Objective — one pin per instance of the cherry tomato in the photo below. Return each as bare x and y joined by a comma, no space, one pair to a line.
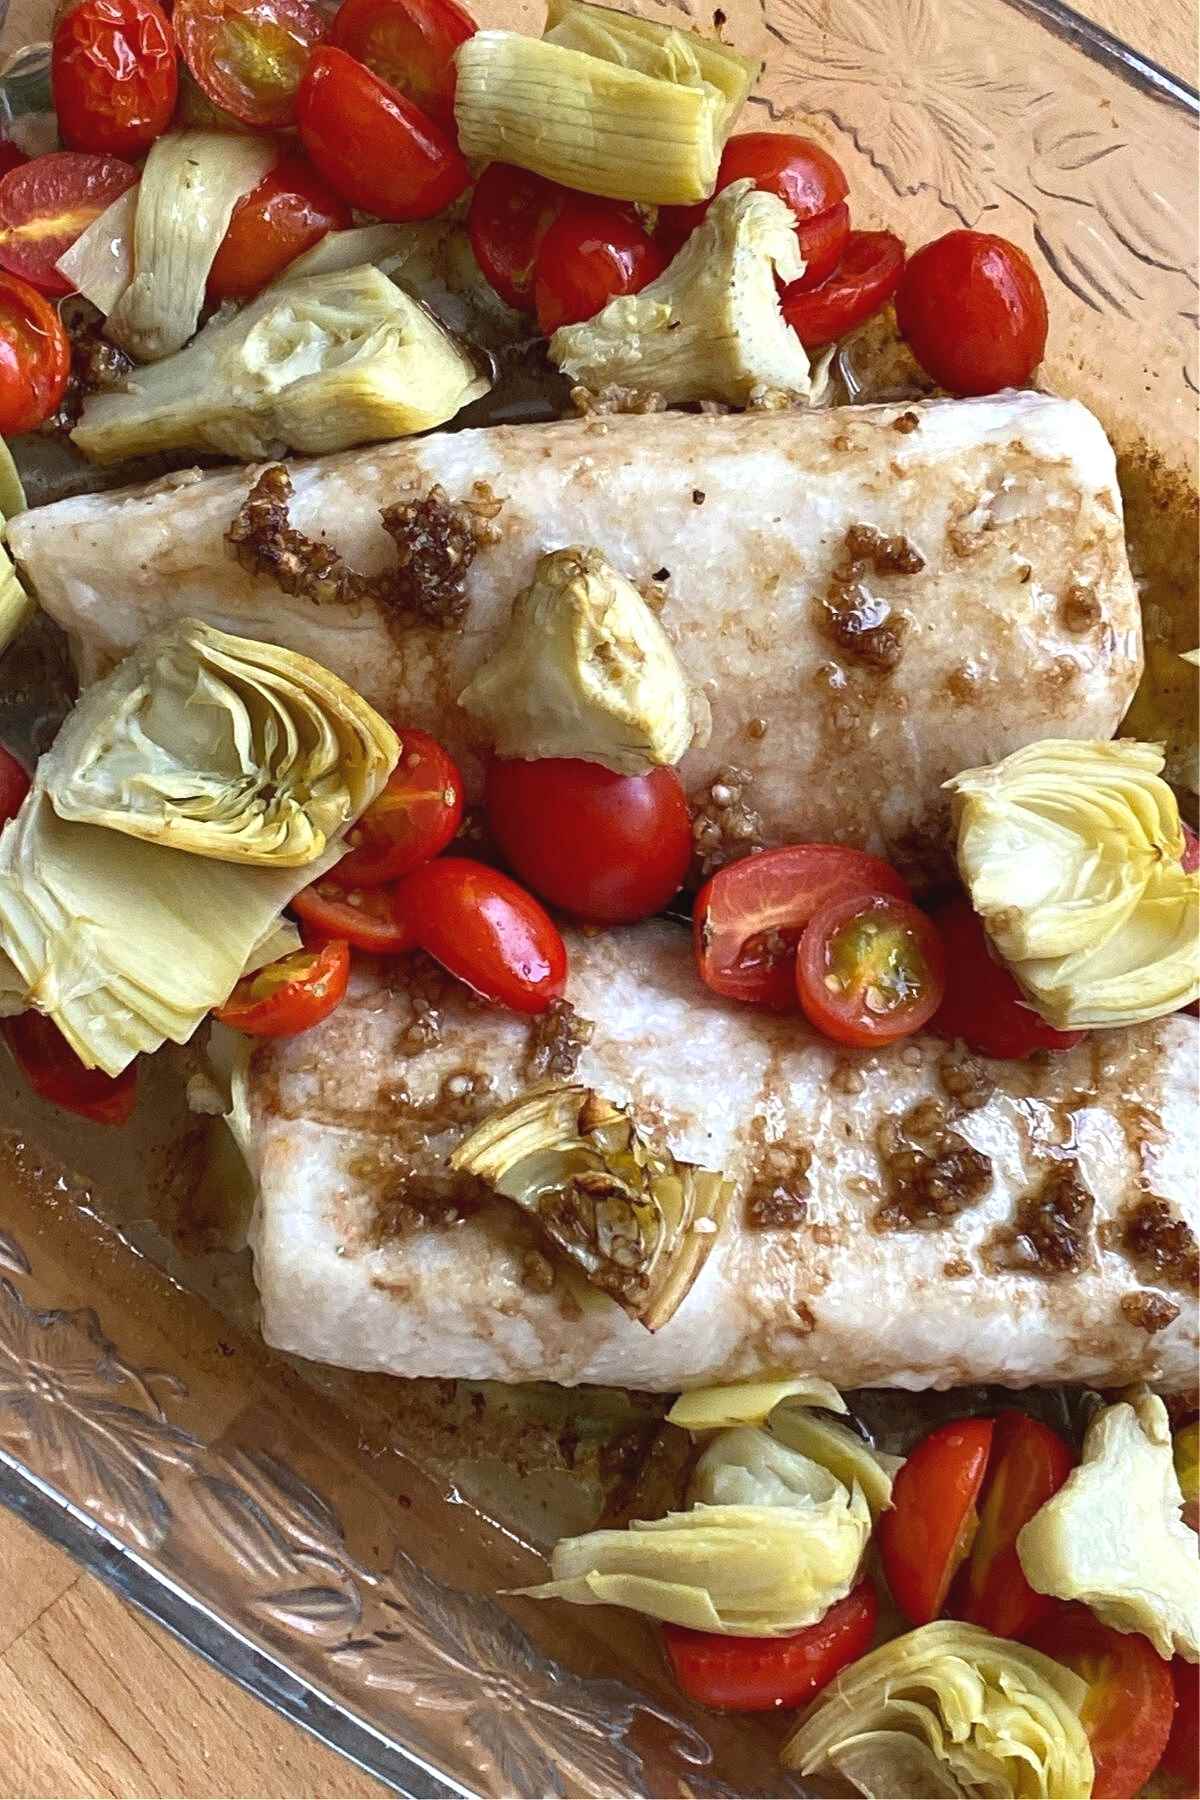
410,44
746,1674
748,918
1130,1701
608,848
415,817
982,1003
249,55
290,995
870,969
365,918
54,1072
864,280
14,782
10,156
594,250
46,204
973,312
1029,1463
486,930
1181,1758
795,168
822,245
290,210
927,1531
114,72
35,357
375,147
511,211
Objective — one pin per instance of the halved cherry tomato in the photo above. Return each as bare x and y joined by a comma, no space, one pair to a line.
795,168
822,245
486,930
928,1530
511,211
365,917
249,55
748,918
14,782
870,969
114,72
608,848
758,1674
35,357
410,44
594,250
290,210
377,149
982,1003
45,205
1181,1758
54,1072
415,817
1029,1463
291,995
973,311
1130,1700
864,280
10,156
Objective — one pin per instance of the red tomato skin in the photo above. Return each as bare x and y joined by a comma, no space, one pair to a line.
865,280
511,211
742,1674
799,170
294,1006
410,44
933,1498
10,156
594,251
843,1019
423,805
374,147
607,848
982,1003
35,357
289,211
1131,1700
55,1073
208,33
365,918
114,71
823,243
1181,1758
14,782
486,930
973,312
68,188
1028,1465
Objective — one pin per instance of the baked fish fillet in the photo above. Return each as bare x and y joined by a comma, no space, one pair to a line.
1023,620
349,1132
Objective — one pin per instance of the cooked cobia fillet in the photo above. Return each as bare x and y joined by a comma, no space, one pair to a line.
870,598
914,1217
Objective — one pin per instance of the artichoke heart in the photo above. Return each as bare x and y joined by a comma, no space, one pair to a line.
16,606
317,363
637,1222
750,1402
220,746
1071,853
750,1467
710,327
950,1709
839,1449
660,50
585,670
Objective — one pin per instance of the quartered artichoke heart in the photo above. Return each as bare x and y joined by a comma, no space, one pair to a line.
637,1222
220,746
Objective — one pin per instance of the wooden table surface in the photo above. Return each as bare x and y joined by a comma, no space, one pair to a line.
95,1699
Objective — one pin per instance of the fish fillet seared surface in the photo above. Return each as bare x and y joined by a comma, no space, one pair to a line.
357,1263
1021,621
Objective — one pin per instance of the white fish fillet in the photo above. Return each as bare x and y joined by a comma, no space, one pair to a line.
1012,501
338,1152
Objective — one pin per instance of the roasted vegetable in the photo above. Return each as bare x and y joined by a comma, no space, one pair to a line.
1114,1535
314,364
839,1449
638,1223
749,1467
949,1710
710,327
750,1402
16,606
660,50
585,670
99,264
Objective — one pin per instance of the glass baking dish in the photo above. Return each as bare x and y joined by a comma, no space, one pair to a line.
334,1542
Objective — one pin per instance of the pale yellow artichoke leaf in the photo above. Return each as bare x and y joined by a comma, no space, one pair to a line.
839,1449
750,1467
750,1402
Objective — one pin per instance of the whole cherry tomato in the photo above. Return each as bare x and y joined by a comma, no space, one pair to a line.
608,848
1181,1758
973,311
249,55
415,817
379,151
865,279
746,1674
1028,1465
410,44
114,72
797,169
869,969
486,930
54,1072
35,358
364,917
1130,1700
594,250
14,782
47,203
291,995
982,1003
928,1529
290,210
511,211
